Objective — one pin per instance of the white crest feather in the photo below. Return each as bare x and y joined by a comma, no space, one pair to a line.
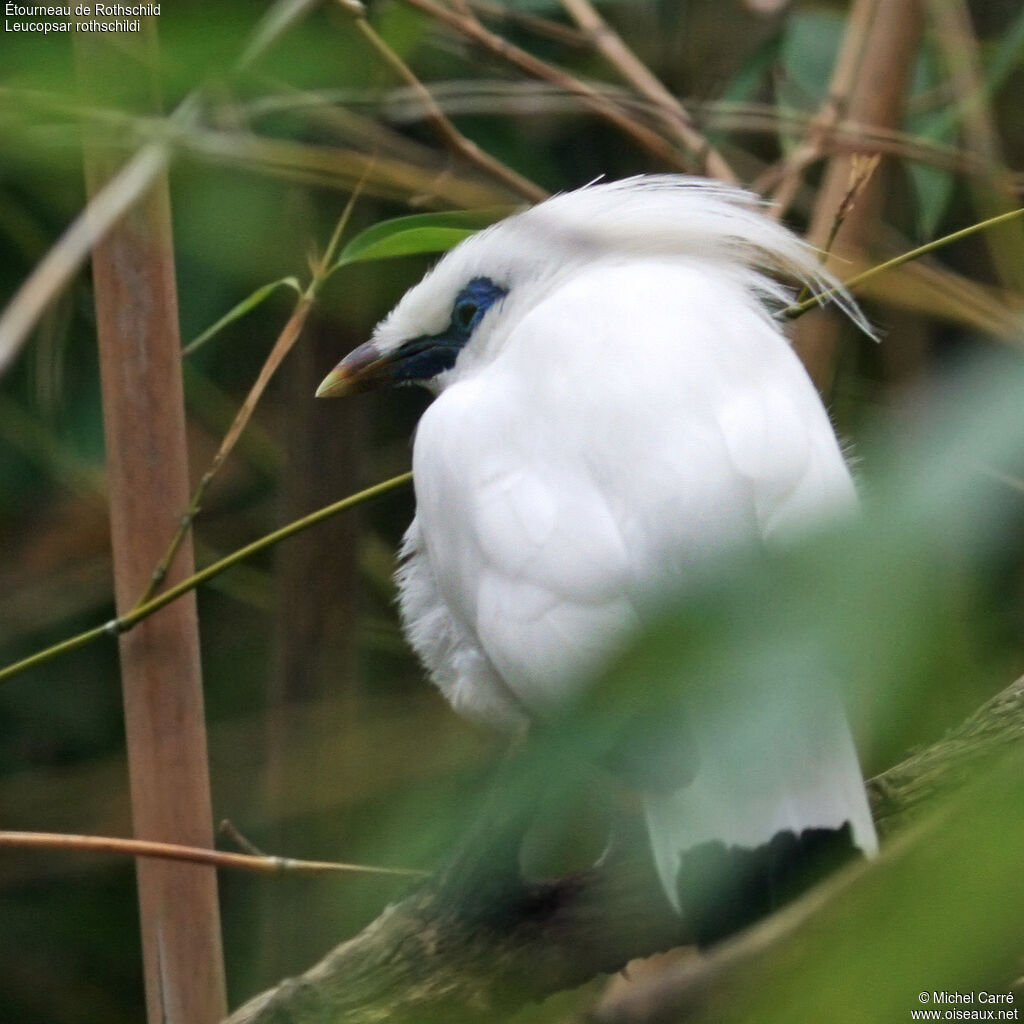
669,216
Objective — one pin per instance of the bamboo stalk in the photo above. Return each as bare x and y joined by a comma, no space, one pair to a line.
140,369
875,101
992,193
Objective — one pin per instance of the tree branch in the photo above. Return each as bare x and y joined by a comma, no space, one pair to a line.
901,793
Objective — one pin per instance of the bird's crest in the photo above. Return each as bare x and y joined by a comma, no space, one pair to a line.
677,216
670,217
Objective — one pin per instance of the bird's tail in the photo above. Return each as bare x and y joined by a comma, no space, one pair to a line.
770,810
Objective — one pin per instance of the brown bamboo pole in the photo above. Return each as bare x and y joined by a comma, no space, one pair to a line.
876,101
140,368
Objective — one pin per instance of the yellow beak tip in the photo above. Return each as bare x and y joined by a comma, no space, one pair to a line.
333,385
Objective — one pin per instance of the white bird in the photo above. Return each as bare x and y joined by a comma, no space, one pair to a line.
616,403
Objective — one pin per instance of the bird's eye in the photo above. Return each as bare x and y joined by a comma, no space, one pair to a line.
465,312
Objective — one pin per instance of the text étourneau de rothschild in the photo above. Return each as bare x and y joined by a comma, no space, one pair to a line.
76,17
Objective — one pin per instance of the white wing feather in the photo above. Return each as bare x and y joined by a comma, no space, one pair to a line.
586,494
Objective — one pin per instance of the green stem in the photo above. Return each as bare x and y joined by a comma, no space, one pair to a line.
115,627
799,308
286,339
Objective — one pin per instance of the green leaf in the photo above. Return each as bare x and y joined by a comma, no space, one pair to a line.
247,304
933,187
807,54
403,28
1007,56
750,77
420,233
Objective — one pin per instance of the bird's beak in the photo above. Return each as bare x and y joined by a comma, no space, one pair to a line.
363,369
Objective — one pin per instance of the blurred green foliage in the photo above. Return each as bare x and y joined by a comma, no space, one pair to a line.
917,607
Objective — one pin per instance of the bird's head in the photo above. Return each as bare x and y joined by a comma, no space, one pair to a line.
425,352
447,319
458,316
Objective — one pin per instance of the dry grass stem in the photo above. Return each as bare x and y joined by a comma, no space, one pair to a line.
55,271
261,864
862,167
591,97
543,28
634,71
449,134
52,274
783,179
951,21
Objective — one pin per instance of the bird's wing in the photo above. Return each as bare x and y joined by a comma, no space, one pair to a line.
526,555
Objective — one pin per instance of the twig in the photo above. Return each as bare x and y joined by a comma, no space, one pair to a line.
861,169
261,864
784,179
449,134
124,623
340,168
591,97
539,99
539,26
954,33
56,269
634,71
402,174
227,828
